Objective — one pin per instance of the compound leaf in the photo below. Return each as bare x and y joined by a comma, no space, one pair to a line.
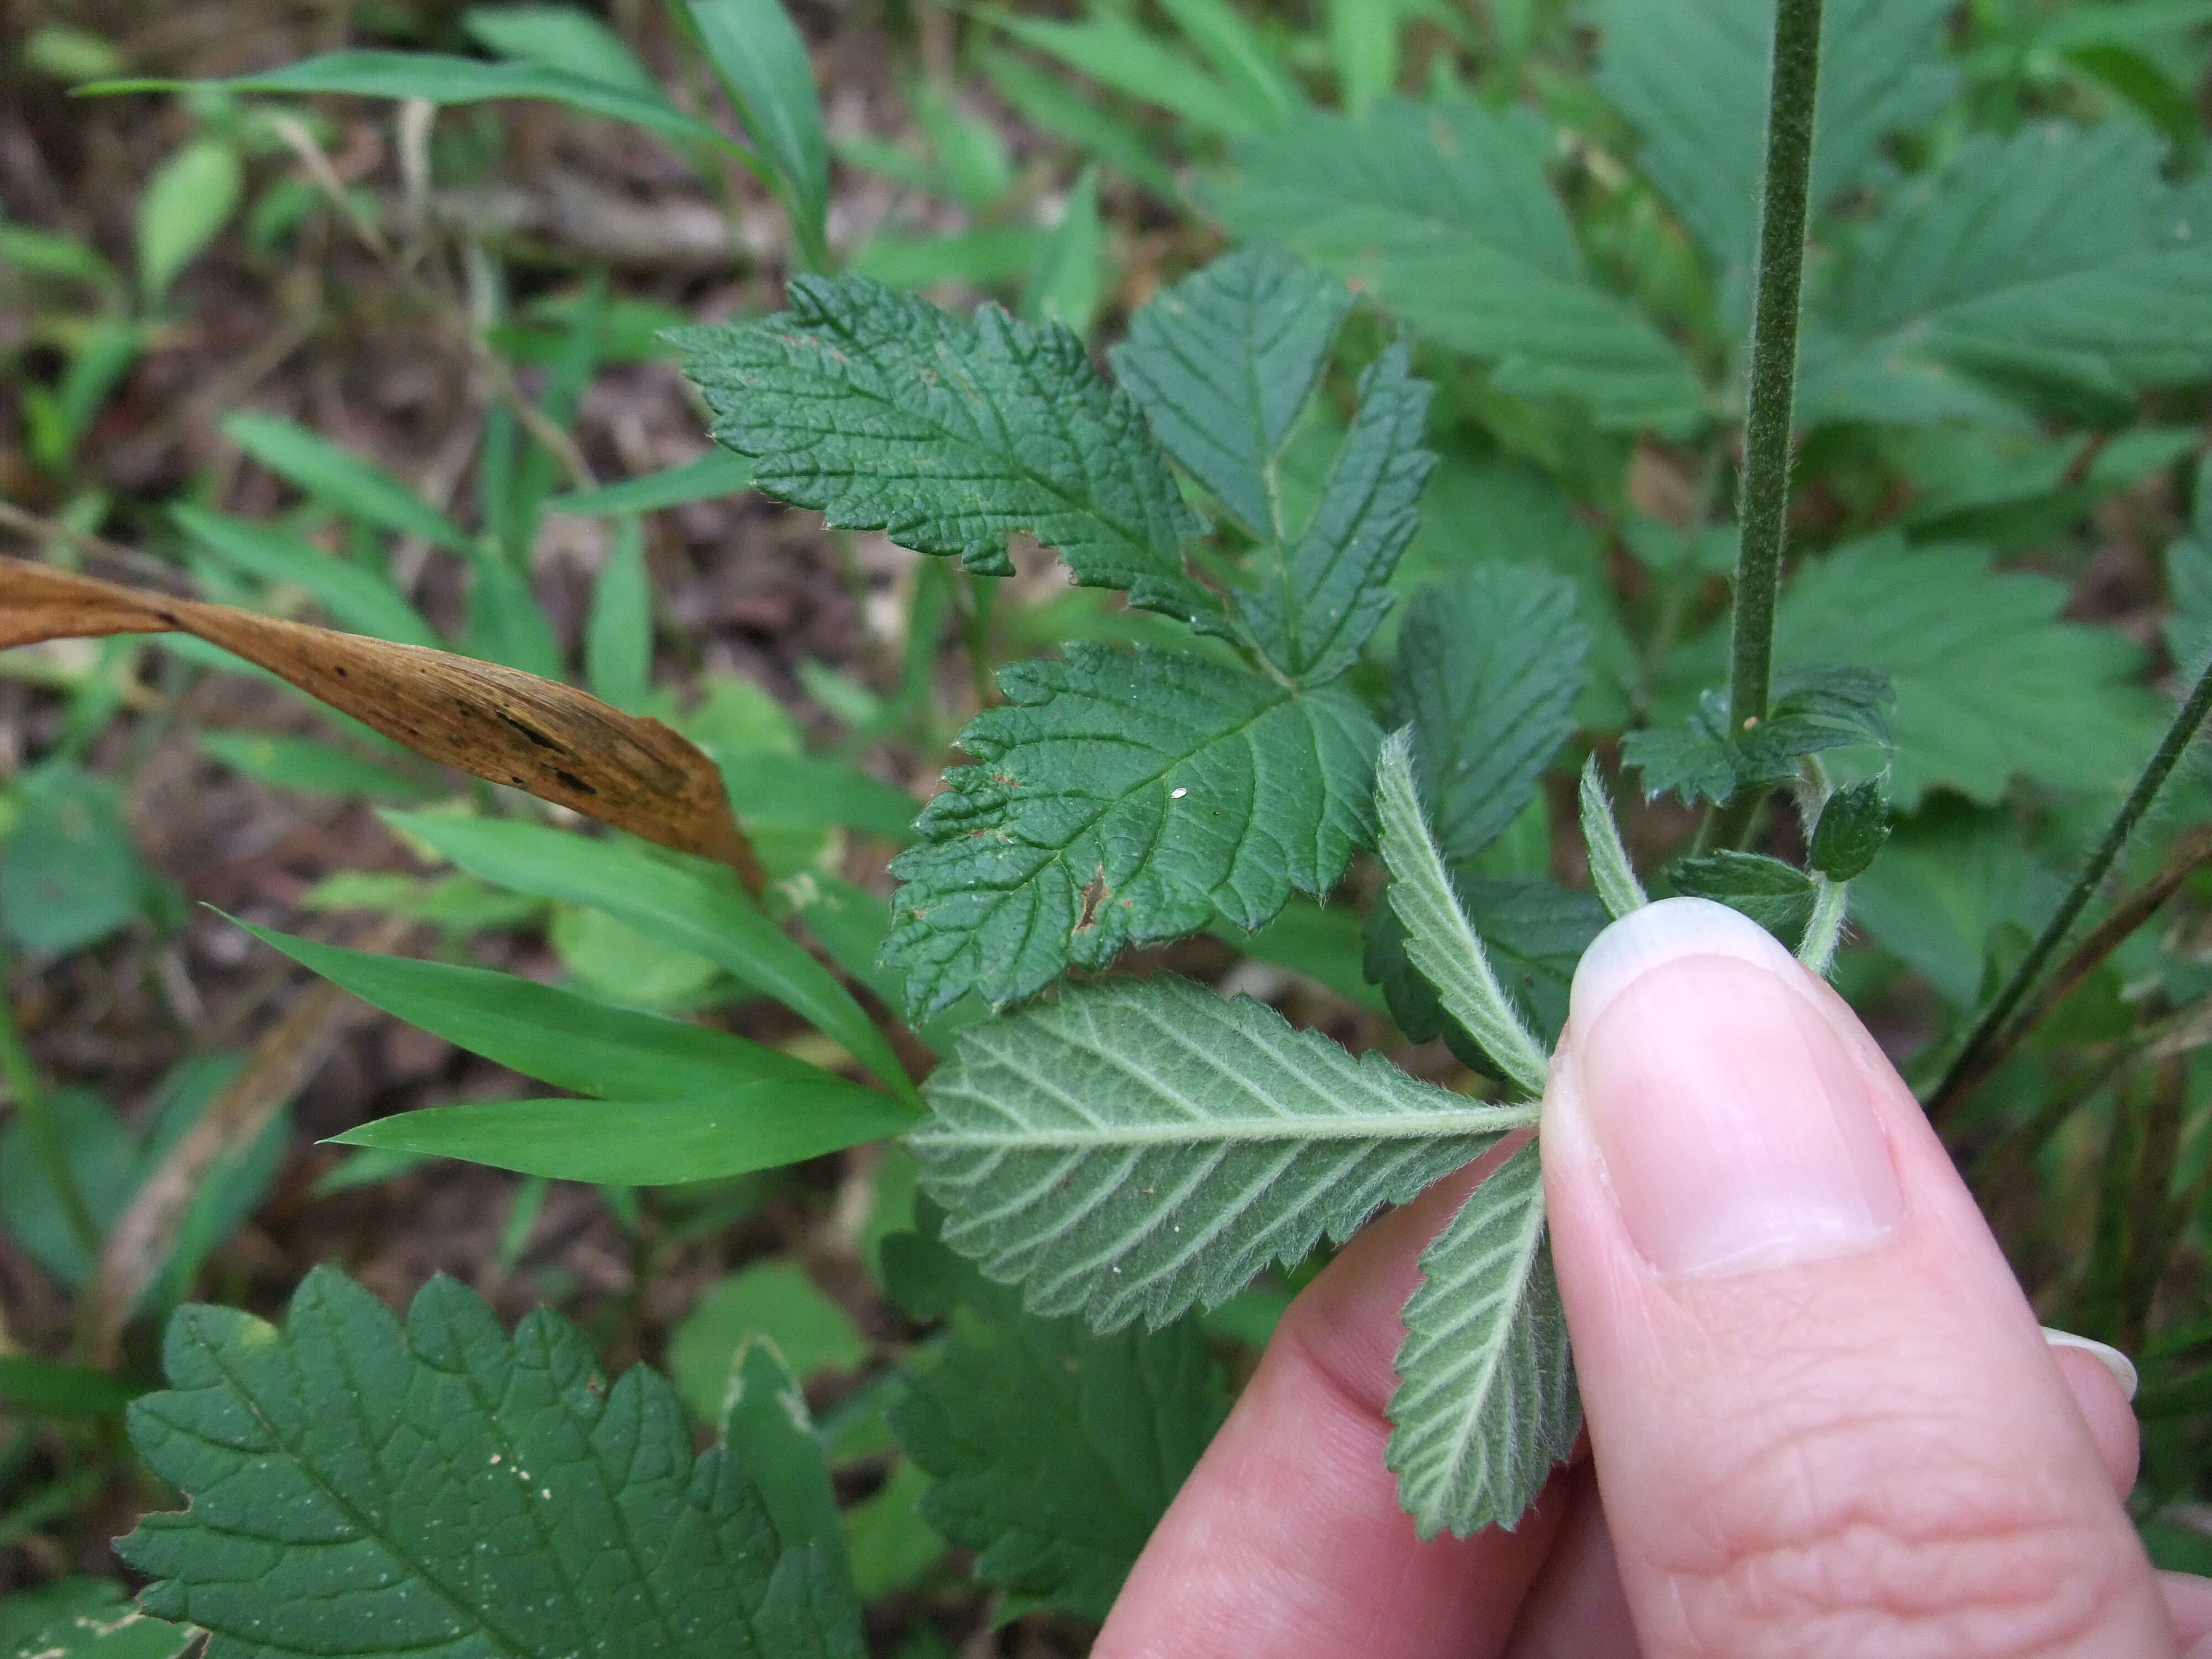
1489,667
1813,709
1989,681
1486,1401
1703,128
1222,363
887,414
1320,593
1055,1452
1121,797
2055,258
349,1475
1441,211
1133,1148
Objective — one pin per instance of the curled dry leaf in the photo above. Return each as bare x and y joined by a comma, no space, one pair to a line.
548,739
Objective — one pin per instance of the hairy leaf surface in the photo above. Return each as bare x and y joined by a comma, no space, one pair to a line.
1223,362
2056,258
948,435
1132,1149
1120,798
1486,1401
1322,593
1443,213
1055,1452
1813,710
362,1488
1489,667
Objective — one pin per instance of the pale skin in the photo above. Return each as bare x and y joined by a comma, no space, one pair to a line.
1822,1420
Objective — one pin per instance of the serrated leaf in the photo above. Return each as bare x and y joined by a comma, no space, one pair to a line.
81,1617
1990,683
1813,709
1055,1452
1854,823
1489,668
1691,76
2056,258
1440,941
1441,212
1318,596
887,414
1132,1149
345,1474
1486,1401
1778,896
1611,873
1120,798
1223,362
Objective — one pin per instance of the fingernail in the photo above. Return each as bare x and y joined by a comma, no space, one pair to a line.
1735,1130
2122,1368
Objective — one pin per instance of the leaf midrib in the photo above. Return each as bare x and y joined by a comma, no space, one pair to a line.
1372,1126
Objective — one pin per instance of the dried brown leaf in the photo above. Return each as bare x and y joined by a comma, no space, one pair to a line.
548,739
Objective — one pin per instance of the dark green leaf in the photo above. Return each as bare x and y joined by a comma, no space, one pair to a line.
1854,823
1813,710
770,1435
949,436
359,1467
1489,667
1055,1452
1443,213
1778,896
1121,797
85,1619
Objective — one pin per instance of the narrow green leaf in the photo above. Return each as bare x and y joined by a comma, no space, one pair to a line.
1326,591
1363,42
1055,1452
814,789
1441,212
311,768
187,203
308,1448
439,79
1131,1149
354,597
713,476
1223,362
1245,63
1611,873
685,901
1486,1402
1121,797
506,624
887,414
31,1387
745,1125
356,487
1114,52
770,1435
1068,282
1056,107
562,38
763,65
570,1041
977,258
1439,940
1490,667
618,632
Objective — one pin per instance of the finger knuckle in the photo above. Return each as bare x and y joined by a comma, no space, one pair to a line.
1809,1547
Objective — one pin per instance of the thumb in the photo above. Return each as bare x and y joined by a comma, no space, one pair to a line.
1825,1419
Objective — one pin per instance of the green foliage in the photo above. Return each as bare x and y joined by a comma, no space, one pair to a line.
1854,823
186,204
1812,711
1053,1452
770,1301
85,1619
762,65
1117,798
1778,896
327,1461
72,874
886,414
1132,1149
1485,1403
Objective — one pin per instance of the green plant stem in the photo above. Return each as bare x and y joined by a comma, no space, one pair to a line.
1974,1058
31,1105
1764,501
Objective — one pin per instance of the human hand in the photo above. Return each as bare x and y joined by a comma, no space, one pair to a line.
1822,1420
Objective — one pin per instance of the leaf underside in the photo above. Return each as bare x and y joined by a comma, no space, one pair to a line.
361,1488
1132,1149
1121,797
1486,1401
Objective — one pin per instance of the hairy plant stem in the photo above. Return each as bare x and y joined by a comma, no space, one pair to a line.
1764,499
1978,1054
31,1105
